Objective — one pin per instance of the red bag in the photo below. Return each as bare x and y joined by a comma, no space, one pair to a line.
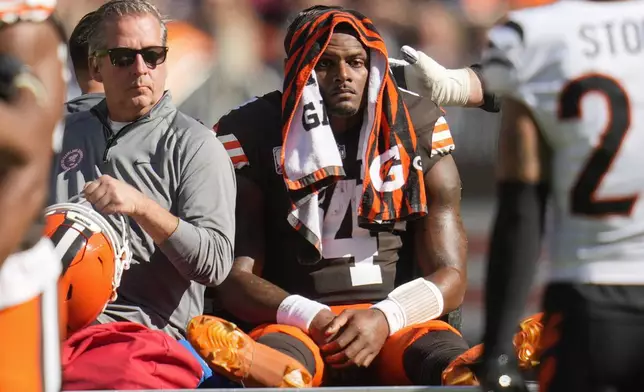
124,355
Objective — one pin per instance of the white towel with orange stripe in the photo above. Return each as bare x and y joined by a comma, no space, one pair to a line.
442,144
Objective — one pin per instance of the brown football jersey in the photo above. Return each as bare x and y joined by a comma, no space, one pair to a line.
357,265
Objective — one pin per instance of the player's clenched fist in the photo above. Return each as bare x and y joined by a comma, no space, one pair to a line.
110,196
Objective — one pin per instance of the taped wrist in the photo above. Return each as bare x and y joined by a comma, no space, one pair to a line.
298,311
414,302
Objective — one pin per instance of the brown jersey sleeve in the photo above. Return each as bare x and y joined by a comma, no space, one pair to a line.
245,132
432,131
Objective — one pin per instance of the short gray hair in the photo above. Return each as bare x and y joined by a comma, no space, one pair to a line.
117,8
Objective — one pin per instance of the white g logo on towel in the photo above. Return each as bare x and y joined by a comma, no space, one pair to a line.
394,179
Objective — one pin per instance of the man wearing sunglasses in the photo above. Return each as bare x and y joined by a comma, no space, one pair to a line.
135,154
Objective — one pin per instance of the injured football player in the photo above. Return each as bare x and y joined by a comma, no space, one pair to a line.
350,252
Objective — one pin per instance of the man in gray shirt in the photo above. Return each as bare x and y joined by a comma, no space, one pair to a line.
93,91
136,154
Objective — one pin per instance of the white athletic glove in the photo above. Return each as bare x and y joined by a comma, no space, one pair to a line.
424,76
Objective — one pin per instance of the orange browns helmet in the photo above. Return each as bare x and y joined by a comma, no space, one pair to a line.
93,256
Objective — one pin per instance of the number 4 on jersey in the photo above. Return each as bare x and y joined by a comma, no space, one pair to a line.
355,242
583,198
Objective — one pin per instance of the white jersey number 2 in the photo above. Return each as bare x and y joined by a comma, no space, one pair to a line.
583,199
360,244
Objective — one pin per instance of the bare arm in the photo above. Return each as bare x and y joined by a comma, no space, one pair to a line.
515,246
440,239
441,249
522,153
244,293
26,129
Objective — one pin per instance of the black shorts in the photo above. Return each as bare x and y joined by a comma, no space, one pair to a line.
593,338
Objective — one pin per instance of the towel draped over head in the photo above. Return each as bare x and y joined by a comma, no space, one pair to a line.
392,176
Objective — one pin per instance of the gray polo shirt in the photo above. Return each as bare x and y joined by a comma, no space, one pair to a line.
180,164
83,102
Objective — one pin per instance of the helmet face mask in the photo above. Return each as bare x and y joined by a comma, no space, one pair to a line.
94,255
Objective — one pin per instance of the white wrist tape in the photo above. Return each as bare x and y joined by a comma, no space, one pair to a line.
393,313
414,302
448,87
298,311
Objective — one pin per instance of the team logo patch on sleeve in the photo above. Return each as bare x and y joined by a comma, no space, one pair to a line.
235,150
442,141
71,159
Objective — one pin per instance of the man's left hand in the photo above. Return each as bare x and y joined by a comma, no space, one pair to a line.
111,196
356,337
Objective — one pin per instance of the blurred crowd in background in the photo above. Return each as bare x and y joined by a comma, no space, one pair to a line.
224,52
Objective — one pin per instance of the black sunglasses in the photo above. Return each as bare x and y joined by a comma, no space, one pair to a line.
124,57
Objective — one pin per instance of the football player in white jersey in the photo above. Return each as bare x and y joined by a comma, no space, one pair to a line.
573,120
32,92
572,133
